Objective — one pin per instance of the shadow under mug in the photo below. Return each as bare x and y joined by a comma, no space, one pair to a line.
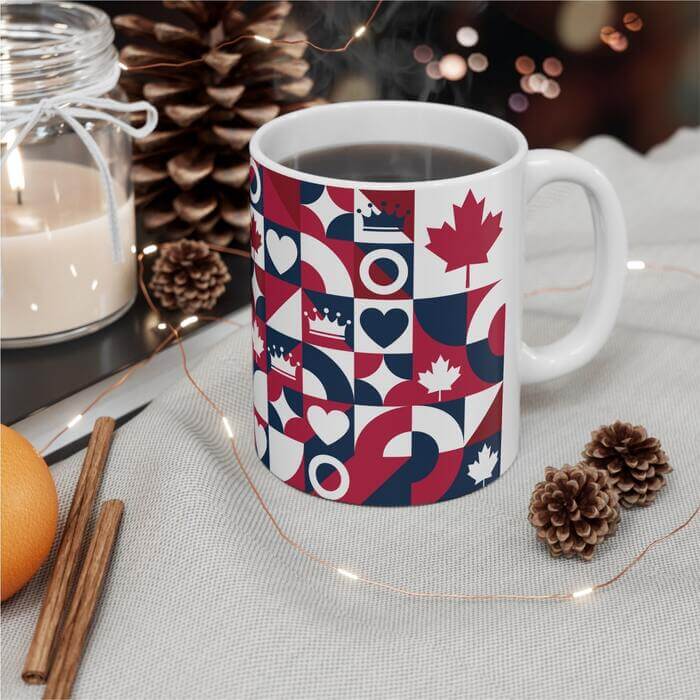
387,345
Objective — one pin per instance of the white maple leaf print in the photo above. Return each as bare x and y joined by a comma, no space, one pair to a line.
440,377
483,468
257,340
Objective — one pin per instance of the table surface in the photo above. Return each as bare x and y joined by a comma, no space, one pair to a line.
205,600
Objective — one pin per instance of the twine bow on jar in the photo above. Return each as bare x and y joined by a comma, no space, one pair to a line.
74,107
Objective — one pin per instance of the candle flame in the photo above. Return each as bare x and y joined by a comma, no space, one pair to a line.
15,168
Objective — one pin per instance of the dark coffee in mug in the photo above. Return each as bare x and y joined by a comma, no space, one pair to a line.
388,162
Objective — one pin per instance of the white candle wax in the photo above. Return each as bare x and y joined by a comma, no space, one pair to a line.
57,268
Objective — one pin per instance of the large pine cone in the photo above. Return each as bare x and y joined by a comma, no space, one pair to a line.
574,509
191,174
188,276
634,461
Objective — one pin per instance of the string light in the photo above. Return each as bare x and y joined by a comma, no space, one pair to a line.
74,421
636,265
227,426
288,539
188,321
262,39
360,31
347,574
152,248
162,326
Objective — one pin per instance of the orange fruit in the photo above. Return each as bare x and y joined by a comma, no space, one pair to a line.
29,510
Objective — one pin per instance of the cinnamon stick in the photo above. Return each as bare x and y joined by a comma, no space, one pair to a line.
82,608
39,656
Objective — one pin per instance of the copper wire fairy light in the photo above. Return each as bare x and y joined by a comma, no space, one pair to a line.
567,596
357,34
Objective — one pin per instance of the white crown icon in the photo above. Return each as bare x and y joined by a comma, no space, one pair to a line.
284,365
322,324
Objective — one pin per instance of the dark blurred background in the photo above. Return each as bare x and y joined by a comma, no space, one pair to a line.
629,69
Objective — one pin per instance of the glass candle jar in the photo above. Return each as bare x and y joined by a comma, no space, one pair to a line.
67,239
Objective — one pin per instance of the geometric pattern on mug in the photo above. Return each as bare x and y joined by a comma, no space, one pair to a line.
368,389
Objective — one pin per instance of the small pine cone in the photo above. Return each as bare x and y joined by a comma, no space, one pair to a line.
634,461
574,509
188,276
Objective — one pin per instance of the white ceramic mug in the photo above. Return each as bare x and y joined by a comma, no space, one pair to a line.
387,315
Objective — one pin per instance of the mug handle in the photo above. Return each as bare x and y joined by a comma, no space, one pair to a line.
593,328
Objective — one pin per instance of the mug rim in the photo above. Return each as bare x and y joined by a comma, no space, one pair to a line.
266,161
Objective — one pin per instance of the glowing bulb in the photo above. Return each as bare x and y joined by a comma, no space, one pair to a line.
452,67
34,307
423,53
188,321
360,31
632,21
94,284
467,36
348,574
73,271
74,421
518,102
150,249
477,62
582,593
636,264
123,66
227,426
15,168
433,70
162,326
133,249
262,39
524,65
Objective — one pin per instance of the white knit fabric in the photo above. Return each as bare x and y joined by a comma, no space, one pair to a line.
203,600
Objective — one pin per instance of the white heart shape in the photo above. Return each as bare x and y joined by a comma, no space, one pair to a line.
260,440
330,426
282,250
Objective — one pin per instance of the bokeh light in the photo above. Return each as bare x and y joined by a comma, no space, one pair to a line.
422,53
632,21
452,66
552,89
578,23
525,85
552,67
537,82
467,36
619,42
524,65
518,102
433,70
477,62
608,34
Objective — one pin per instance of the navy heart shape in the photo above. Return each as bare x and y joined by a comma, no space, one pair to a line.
384,327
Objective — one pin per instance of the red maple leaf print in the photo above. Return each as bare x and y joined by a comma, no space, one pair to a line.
471,238
255,237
